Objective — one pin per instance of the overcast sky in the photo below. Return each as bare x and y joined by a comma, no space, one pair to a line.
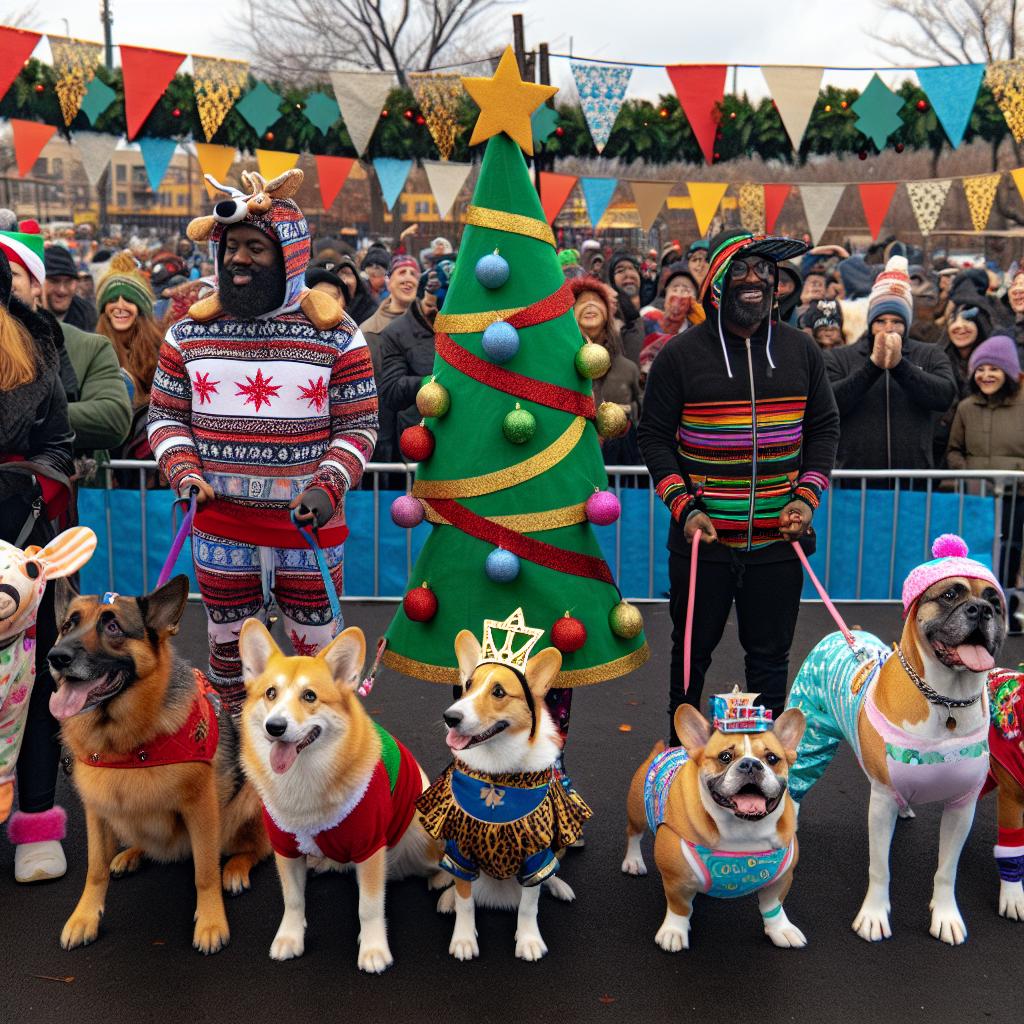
650,31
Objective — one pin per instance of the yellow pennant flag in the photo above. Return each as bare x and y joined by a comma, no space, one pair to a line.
649,197
1018,180
752,211
216,161
705,197
981,194
273,162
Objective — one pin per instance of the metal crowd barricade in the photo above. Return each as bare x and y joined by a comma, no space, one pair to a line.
1003,486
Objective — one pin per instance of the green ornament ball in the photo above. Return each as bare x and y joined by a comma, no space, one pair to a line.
519,425
433,399
592,361
625,620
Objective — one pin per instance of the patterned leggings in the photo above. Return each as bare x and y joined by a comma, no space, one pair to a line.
238,581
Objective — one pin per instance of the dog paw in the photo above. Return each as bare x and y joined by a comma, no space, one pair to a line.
634,866
81,929
530,946
563,891
446,901
235,876
947,924
374,959
672,938
211,935
126,862
464,947
287,945
872,922
1011,901
787,937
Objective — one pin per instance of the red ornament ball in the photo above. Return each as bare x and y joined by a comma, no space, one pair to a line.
568,634
384,112
559,132
420,119
269,136
843,104
862,155
176,112
408,115
40,87
417,443
420,604
922,105
899,147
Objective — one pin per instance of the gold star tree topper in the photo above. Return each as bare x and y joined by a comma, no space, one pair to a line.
506,103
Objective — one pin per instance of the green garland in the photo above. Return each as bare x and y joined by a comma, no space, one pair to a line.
655,133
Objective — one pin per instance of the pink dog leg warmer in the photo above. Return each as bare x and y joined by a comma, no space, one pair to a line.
37,828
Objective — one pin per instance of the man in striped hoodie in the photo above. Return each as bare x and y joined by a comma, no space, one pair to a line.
739,430
264,401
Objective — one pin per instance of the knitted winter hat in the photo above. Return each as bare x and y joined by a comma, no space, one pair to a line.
999,351
59,262
403,260
950,559
569,257
588,283
124,280
26,249
891,294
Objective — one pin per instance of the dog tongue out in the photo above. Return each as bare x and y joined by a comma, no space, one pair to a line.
975,657
456,741
282,756
750,803
69,698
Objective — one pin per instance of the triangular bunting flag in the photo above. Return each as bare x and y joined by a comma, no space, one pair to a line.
157,155
16,46
926,200
361,96
952,91
820,202
602,88
332,172
649,197
1006,80
272,162
705,197
597,194
981,194
74,67
775,197
439,97
446,180
29,139
97,99
391,176
554,190
877,109
795,91
147,73
215,161
218,82
876,198
751,204
1018,180
700,88
95,150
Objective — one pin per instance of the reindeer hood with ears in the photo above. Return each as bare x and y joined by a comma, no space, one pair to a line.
268,207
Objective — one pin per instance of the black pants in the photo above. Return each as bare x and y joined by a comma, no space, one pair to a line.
39,758
767,597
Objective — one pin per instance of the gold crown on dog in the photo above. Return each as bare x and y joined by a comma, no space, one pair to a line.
509,653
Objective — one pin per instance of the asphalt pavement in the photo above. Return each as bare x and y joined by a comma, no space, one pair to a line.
603,964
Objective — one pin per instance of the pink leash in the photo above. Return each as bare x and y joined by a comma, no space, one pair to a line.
826,600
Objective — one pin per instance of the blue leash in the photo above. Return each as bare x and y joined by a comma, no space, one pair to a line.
309,536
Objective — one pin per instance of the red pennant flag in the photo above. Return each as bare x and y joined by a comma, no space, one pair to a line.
147,73
700,88
16,46
29,139
554,190
876,200
775,197
332,172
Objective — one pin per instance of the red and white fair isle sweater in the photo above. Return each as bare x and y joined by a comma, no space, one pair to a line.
263,409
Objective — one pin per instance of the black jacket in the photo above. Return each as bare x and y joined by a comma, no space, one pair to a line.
697,424
81,314
406,356
889,416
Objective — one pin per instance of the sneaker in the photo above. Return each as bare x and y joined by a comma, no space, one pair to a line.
39,862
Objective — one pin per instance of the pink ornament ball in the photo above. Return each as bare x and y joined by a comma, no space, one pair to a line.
949,545
407,511
603,508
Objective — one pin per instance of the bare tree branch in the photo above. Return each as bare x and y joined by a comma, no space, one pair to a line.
954,31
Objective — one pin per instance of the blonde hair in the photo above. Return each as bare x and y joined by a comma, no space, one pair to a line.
138,350
17,353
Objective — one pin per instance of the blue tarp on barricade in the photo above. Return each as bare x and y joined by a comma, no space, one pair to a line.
977,527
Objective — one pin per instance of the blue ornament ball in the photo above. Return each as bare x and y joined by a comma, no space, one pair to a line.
492,270
500,341
502,566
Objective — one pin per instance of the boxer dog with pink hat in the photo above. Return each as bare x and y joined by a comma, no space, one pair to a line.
917,717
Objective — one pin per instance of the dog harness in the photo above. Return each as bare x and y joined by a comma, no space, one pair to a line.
724,874
195,741
377,816
502,825
830,688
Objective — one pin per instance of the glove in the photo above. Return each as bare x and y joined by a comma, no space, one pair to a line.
314,506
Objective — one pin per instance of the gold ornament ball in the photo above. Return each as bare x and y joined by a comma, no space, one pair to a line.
433,399
611,421
592,361
625,620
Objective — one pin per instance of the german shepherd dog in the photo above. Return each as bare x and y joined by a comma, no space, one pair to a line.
120,688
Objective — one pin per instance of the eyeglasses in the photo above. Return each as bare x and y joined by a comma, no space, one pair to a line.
967,313
739,269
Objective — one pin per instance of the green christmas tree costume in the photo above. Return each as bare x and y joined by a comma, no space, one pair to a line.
483,492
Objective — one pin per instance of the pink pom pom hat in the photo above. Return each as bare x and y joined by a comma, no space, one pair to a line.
950,559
